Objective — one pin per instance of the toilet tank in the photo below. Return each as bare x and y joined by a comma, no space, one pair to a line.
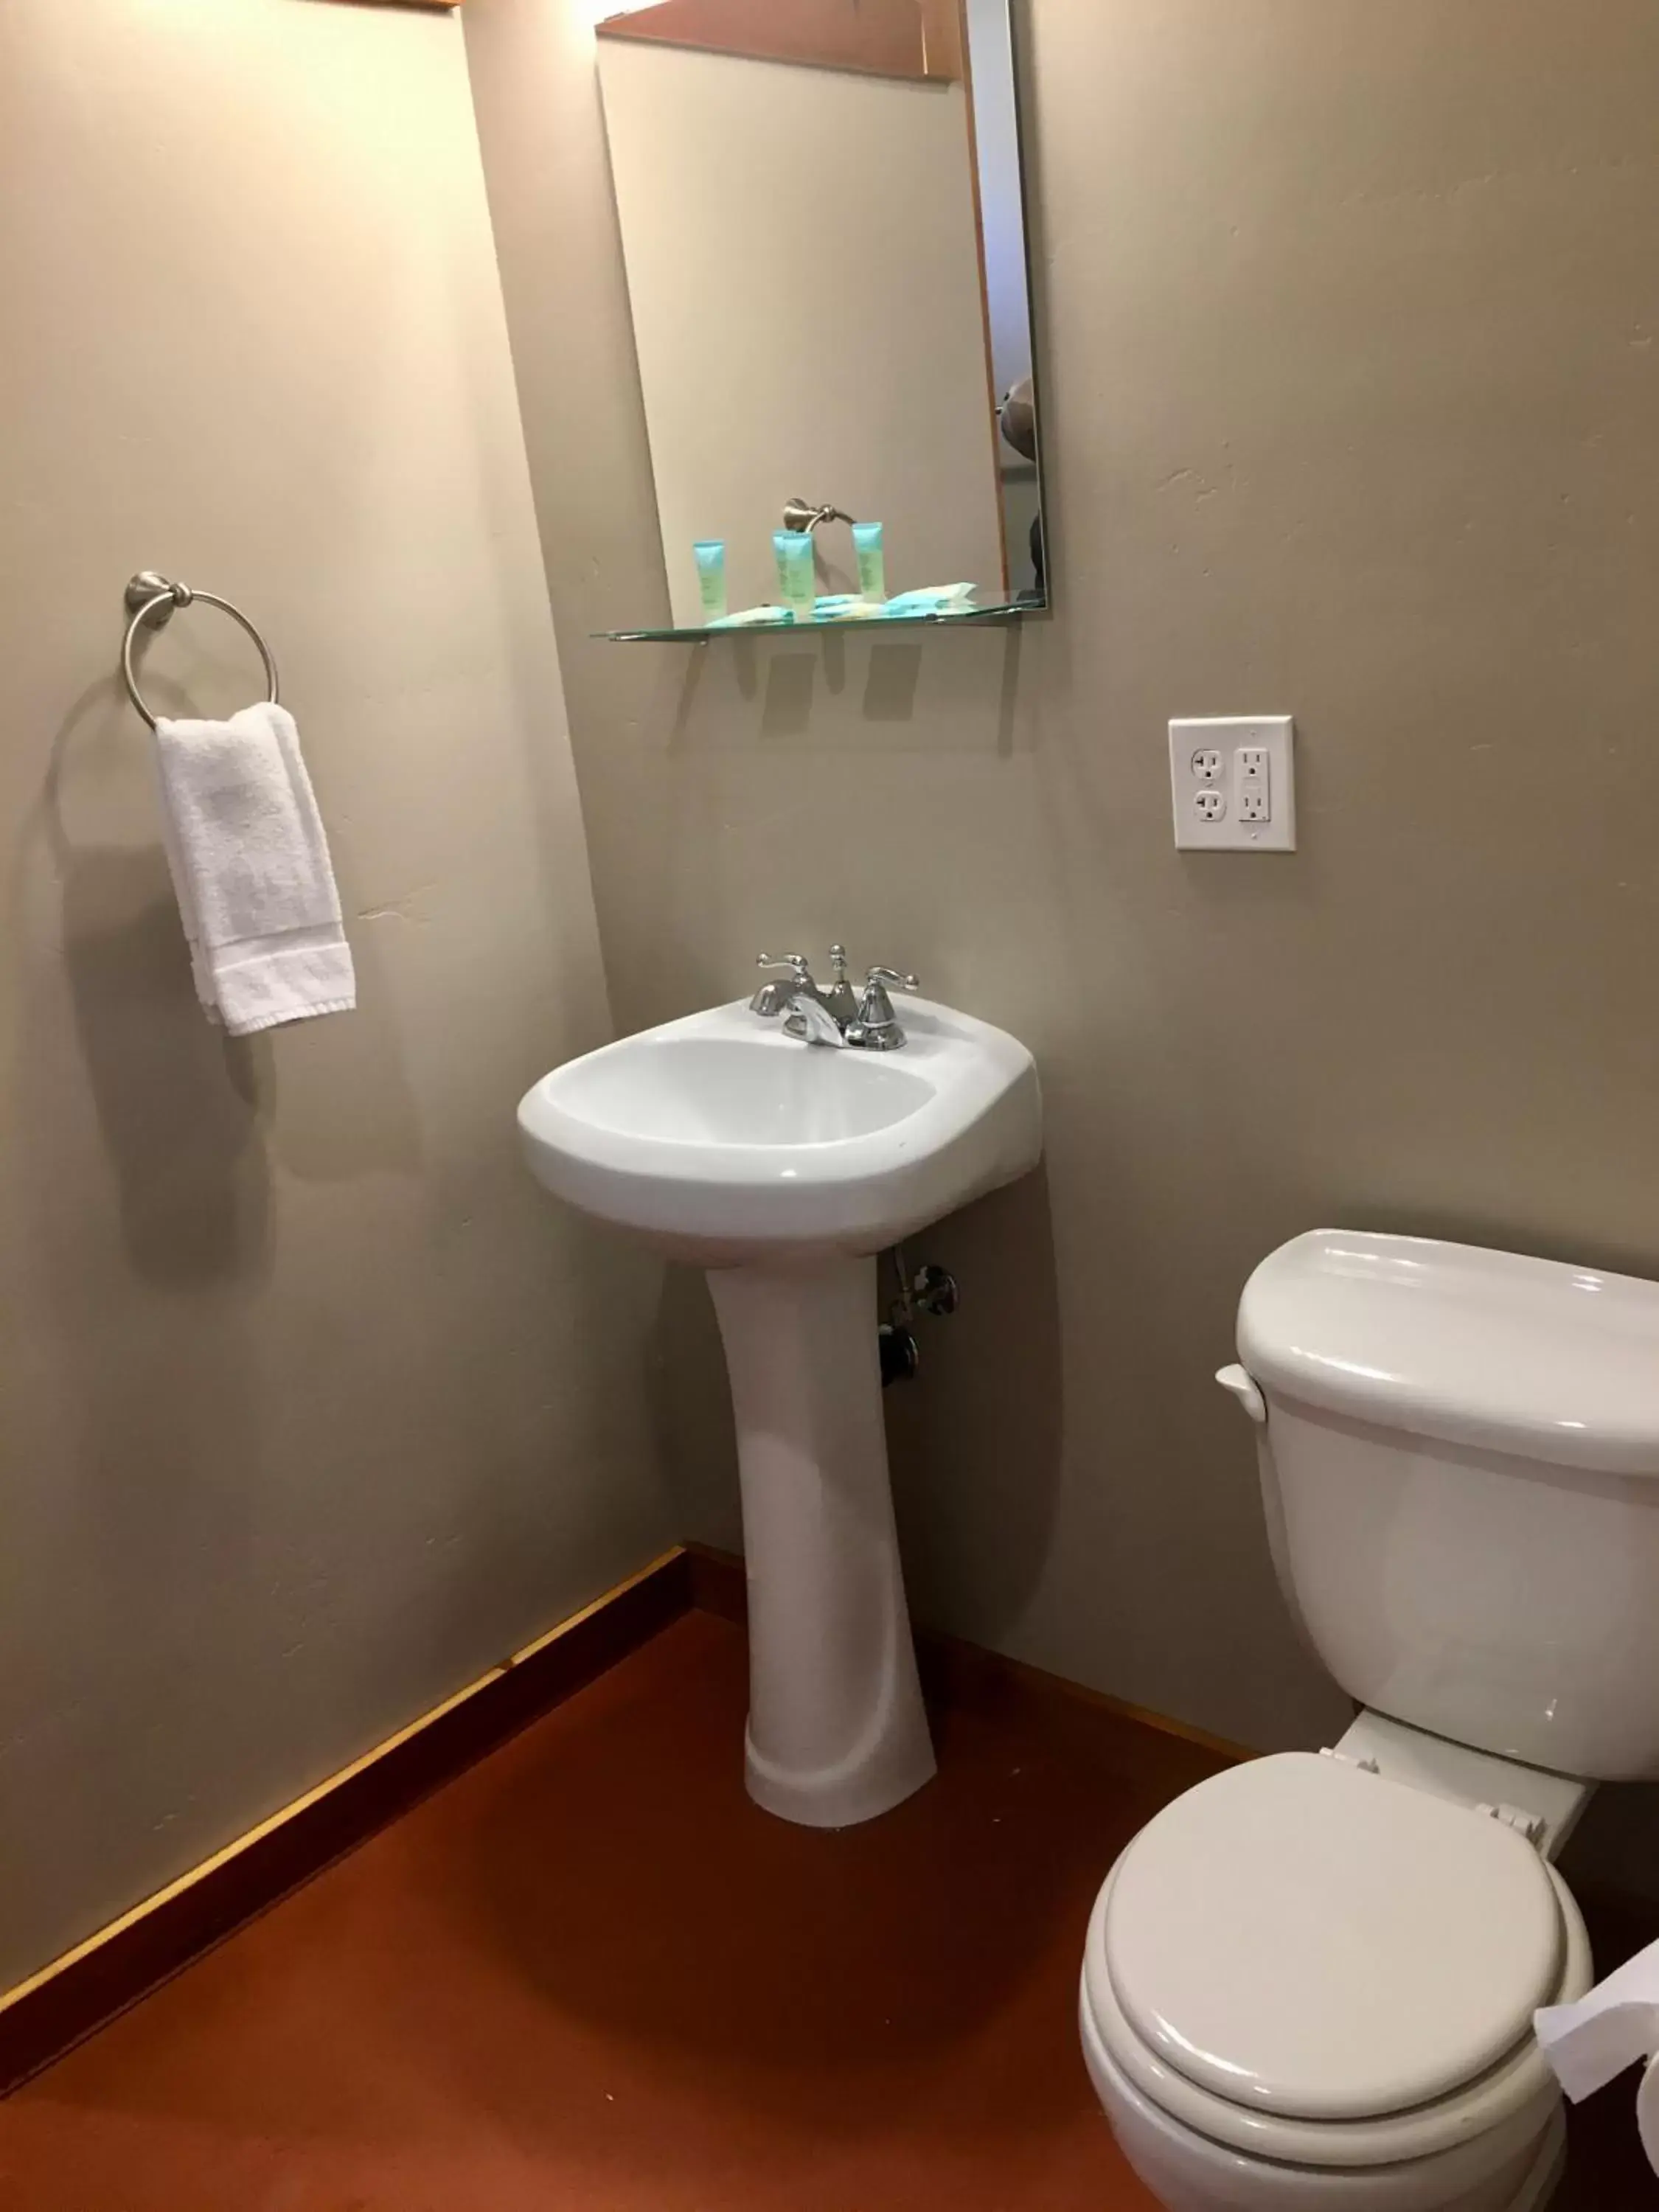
1460,1464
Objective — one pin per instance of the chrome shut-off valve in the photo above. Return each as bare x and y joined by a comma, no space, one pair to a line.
931,1292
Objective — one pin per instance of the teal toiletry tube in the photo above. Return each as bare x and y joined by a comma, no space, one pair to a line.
711,578
873,560
796,586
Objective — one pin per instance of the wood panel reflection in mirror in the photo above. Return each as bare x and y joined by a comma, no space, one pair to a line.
887,38
824,231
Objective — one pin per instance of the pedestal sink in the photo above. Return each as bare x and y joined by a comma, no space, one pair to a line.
783,1169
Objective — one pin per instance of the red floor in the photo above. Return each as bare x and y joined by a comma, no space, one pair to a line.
590,1975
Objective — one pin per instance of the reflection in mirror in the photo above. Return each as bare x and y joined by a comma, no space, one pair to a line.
824,229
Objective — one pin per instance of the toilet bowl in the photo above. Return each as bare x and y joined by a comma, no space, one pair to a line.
1188,2174
1305,1984
1309,1982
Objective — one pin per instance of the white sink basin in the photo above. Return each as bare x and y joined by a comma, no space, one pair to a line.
723,1140
783,1168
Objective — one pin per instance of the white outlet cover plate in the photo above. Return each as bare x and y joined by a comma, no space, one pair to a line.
1199,735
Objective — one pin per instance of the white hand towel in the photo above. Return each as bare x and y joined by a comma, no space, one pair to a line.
251,871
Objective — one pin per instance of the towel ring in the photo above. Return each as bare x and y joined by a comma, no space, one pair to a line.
151,600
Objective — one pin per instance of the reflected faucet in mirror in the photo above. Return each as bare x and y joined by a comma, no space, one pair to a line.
801,514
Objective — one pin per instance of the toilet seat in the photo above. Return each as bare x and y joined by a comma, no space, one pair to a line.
1510,2168
1317,1966
1316,1940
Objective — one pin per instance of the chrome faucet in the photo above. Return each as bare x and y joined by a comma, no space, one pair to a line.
877,1027
809,1018
773,998
841,998
839,1016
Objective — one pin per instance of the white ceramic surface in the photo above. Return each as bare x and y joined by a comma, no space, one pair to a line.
784,1168
1509,2170
719,1139
1471,1346
1458,1465
1519,2093
1239,1914
836,1730
1479,2146
1317,1990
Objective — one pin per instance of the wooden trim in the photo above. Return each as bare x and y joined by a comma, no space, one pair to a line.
945,40
720,1582
956,1669
78,1993
951,1665
88,1986
907,39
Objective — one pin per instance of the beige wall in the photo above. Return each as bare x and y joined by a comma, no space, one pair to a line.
311,1407
1353,411
803,266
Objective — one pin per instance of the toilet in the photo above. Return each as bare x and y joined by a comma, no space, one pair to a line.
1308,1983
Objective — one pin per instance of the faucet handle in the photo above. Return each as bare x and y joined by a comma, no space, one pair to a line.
839,995
877,1027
773,998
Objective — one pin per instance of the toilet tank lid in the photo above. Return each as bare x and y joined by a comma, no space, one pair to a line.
1454,1342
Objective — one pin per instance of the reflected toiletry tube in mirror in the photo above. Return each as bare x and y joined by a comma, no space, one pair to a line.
824,229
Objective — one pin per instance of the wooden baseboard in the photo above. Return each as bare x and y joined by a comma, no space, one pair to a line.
951,1668
719,1582
78,1993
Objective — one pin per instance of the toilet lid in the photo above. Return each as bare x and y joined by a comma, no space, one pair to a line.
1304,1938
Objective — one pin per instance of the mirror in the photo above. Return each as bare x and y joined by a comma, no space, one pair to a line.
824,229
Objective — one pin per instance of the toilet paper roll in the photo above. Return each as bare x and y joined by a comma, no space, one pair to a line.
1586,2043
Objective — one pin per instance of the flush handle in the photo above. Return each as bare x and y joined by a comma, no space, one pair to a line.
1244,1389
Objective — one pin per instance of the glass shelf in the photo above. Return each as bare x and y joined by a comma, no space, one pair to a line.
861,626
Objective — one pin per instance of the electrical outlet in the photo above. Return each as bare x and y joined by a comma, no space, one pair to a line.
1232,783
1254,782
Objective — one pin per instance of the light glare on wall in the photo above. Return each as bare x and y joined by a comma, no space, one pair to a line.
606,11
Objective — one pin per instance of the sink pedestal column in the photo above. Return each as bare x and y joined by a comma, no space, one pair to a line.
836,1729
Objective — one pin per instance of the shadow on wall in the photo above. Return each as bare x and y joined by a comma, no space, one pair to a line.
187,1113
989,1398
133,1445
138,1438
692,1410
815,769
788,686
178,1103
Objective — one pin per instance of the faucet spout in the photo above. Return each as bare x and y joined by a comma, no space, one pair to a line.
810,1018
